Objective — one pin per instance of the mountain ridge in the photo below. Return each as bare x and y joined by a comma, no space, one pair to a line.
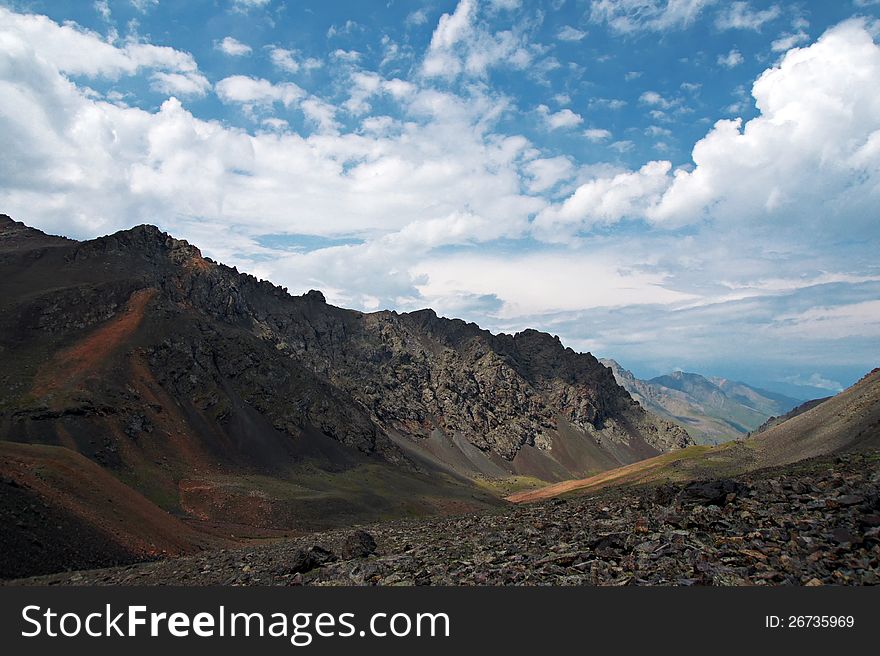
226,401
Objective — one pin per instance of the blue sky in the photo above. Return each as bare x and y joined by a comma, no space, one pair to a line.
687,184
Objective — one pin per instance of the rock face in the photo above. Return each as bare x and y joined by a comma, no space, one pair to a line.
712,410
196,382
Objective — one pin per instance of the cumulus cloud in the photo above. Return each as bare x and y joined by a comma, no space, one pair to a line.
464,45
656,100
812,155
564,118
233,47
256,92
605,200
75,51
741,16
290,60
627,16
545,173
180,84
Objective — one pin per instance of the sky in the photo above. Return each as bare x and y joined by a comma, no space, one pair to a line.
681,184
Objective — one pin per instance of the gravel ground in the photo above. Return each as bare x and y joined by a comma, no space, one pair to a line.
807,524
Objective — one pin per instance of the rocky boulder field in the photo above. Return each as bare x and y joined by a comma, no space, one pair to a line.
813,523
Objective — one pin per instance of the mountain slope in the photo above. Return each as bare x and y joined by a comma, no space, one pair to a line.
62,511
224,399
713,410
794,412
847,422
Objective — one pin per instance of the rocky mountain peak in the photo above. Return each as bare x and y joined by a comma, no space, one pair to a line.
314,295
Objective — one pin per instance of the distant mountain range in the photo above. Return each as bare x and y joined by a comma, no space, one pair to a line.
848,422
712,410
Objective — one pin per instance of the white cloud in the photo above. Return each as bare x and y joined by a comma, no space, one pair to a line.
506,5
604,201
320,113
834,322
247,5
233,47
812,156
741,16
623,146
597,134
82,166
76,51
178,84
463,45
607,103
731,60
814,380
569,33
546,173
256,92
812,153
143,6
349,56
417,17
788,41
656,100
103,8
560,287
564,118
628,16
289,60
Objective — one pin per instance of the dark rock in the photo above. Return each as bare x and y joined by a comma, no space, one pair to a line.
666,493
358,544
870,520
714,492
305,560
321,556
843,535
315,295
849,500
